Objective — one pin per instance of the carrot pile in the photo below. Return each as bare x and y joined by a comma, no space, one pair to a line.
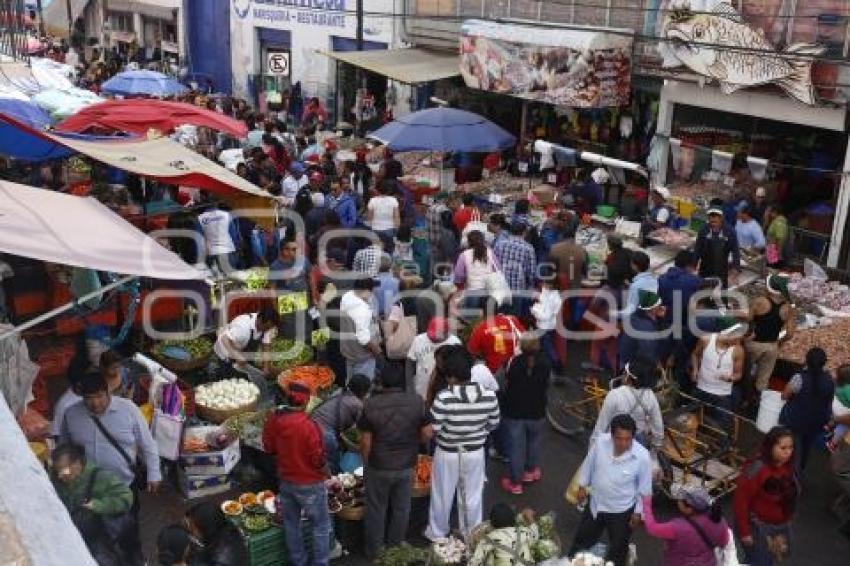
314,377
194,444
423,470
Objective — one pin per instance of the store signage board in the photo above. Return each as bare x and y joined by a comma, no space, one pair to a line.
324,13
745,58
569,67
277,63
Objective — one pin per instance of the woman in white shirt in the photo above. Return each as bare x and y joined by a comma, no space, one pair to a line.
472,269
384,216
546,311
717,363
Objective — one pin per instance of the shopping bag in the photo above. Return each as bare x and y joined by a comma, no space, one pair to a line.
167,430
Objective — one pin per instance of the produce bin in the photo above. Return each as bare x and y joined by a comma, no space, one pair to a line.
216,462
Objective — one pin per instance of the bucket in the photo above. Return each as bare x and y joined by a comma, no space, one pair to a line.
769,408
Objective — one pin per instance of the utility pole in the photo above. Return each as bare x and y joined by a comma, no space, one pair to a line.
70,20
40,11
359,25
360,77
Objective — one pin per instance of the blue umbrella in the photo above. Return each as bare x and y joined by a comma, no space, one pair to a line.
25,112
150,83
443,129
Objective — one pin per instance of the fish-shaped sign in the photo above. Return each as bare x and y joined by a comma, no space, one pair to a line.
719,44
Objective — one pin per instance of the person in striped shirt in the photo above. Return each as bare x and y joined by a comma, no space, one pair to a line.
463,415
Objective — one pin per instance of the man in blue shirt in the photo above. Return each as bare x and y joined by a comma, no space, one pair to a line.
676,287
618,472
645,280
749,232
342,202
642,333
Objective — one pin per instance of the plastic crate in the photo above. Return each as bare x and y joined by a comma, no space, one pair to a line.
267,548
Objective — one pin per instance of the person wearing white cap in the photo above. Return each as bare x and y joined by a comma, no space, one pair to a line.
659,212
716,242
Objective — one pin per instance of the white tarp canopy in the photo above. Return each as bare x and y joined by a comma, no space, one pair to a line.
80,231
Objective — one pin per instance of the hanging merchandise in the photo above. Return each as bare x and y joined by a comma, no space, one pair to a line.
544,148
676,153
626,126
721,161
367,106
758,167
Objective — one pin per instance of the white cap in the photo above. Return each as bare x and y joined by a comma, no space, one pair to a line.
663,191
760,192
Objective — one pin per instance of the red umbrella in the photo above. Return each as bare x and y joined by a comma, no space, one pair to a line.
137,116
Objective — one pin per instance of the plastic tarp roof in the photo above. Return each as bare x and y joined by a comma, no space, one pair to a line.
410,66
80,231
159,158
139,115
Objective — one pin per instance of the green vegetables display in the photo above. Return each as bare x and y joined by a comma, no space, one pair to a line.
257,278
402,555
197,348
256,522
292,302
288,354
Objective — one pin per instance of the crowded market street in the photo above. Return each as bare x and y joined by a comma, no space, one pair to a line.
424,283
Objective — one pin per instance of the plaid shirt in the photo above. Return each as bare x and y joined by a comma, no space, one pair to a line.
368,260
517,259
434,223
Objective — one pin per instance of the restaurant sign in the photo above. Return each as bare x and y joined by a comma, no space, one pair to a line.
327,13
570,67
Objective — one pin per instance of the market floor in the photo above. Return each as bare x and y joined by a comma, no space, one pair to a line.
818,542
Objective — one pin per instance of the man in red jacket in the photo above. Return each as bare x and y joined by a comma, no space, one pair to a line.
296,441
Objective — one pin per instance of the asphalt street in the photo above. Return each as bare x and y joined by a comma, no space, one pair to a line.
817,541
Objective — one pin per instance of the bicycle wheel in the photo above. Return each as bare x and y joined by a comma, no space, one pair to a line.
569,419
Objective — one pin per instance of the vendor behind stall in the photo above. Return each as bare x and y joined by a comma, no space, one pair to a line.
660,214
749,231
244,334
716,241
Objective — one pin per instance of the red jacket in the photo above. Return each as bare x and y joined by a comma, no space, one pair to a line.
765,492
296,441
494,340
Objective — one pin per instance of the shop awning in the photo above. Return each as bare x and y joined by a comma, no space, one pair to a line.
80,231
56,15
160,158
410,66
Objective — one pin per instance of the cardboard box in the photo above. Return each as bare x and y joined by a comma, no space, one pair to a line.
214,463
194,487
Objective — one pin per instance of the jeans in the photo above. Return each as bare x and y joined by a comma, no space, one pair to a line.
365,367
332,454
312,500
523,445
619,532
386,490
547,341
759,554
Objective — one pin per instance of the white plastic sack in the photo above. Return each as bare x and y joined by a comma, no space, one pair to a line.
812,269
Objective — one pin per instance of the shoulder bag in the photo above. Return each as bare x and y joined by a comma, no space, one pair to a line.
398,342
139,473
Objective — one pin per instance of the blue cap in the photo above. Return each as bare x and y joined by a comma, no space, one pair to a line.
296,167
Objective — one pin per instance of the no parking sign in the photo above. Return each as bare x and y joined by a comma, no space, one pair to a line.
277,64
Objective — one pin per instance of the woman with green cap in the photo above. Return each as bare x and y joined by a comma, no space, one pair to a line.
769,315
